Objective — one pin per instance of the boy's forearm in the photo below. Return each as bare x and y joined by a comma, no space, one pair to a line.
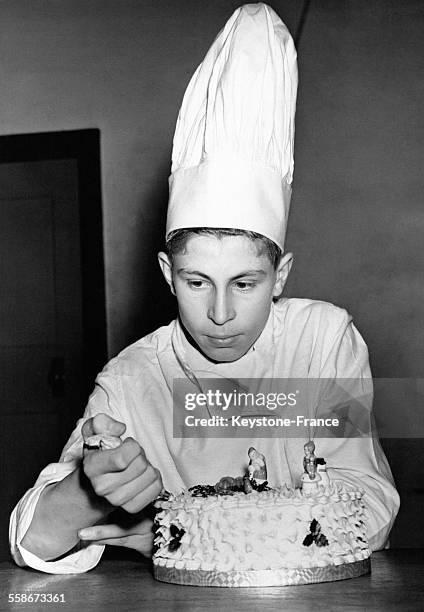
62,509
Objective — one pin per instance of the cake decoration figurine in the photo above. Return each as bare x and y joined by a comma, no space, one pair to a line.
309,460
226,485
310,477
257,466
315,468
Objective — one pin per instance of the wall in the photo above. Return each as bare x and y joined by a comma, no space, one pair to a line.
357,218
122,67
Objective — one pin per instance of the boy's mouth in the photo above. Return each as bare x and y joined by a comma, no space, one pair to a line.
222,340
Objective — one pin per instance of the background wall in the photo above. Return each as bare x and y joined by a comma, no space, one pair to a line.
121,66
357,216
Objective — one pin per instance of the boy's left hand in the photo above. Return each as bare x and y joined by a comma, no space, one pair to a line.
136,534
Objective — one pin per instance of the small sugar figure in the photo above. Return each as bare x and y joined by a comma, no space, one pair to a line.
310,476
309,460
257,466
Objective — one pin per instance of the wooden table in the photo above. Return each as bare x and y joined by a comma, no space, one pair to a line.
123,582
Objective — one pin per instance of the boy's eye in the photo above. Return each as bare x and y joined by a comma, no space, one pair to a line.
245,285
196,284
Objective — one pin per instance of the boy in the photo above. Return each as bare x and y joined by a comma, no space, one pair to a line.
225,263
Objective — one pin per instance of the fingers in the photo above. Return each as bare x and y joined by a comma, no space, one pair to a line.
143,544
137,468
123,476
139,537
112,530
115,460
132,495
102,424
138,497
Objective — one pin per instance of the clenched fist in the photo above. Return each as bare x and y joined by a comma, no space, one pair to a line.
123,476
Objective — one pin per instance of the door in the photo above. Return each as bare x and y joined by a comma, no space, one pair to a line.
41,327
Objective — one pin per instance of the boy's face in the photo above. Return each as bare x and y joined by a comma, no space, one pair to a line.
224,289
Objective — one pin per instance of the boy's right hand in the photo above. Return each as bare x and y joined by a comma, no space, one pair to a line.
122,476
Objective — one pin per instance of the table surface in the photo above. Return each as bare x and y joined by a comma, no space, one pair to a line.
124,582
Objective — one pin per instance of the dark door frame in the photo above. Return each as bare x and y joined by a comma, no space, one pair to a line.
83,146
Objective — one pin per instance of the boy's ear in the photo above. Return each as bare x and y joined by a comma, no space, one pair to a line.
166,267
282,273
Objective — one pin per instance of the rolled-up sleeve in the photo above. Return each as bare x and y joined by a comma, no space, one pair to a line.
80,560
85,556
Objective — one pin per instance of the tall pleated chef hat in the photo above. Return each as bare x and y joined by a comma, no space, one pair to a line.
232,158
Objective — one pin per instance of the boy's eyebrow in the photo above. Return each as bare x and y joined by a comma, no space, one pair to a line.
250,273
203,275
188,271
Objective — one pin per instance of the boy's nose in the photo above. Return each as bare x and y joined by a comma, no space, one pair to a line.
221,309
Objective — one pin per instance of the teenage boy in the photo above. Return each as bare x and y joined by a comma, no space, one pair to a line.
225,263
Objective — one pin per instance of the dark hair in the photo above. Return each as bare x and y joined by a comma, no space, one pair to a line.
177,241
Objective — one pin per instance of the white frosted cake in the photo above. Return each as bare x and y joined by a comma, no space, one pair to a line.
211,536
272,530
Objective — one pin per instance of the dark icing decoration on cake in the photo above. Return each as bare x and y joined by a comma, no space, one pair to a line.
229,485
259,487
315,535
202,490
164,495
176,534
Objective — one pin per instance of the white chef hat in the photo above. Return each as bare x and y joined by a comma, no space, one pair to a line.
232,158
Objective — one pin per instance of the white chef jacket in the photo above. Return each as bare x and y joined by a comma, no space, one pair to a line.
301,339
